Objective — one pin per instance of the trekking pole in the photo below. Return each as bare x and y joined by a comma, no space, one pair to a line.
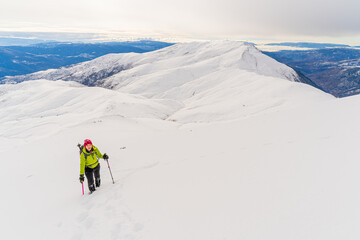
82,183
110,171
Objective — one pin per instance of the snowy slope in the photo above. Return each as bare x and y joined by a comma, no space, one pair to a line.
291,174
186,62
90,72
47,107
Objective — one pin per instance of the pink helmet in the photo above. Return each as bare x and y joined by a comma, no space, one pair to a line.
87,141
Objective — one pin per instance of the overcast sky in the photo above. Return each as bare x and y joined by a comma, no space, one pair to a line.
309,20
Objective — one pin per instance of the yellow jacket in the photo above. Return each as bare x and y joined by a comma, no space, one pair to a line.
89,159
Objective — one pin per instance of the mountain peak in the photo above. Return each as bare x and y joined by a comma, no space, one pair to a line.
214,80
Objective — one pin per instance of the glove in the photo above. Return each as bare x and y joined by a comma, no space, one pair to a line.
105,156
81,178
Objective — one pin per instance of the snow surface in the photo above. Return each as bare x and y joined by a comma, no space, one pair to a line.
49,107
284,166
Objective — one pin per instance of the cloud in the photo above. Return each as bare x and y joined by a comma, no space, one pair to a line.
206,18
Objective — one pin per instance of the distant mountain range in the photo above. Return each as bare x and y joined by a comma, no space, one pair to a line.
17,41
20,60
335,70
308,45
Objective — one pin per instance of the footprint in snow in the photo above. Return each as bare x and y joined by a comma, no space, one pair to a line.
83,216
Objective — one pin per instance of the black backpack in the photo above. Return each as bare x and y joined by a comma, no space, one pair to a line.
81,147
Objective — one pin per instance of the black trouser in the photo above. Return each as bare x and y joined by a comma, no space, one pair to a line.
90,173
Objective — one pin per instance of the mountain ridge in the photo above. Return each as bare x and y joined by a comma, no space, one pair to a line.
202,77
249,64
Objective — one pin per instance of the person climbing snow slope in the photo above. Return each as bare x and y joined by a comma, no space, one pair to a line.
89,164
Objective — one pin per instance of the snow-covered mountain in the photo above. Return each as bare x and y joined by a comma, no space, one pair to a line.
218,146
197,75
179,59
